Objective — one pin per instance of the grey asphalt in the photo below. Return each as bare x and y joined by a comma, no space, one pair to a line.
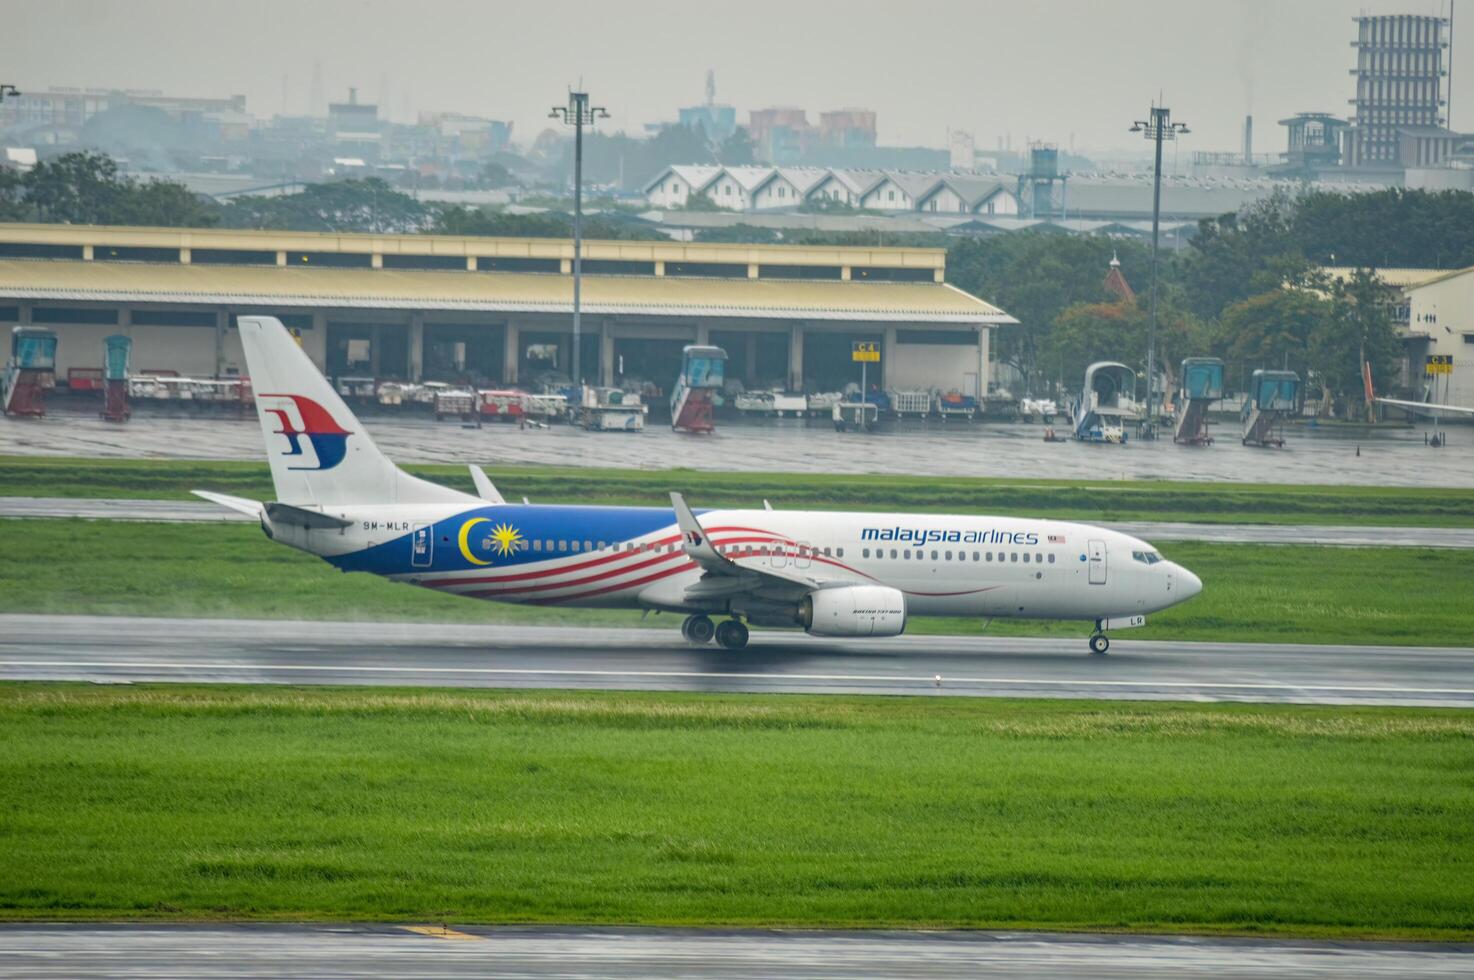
113,650
198,511
1385,456
146,951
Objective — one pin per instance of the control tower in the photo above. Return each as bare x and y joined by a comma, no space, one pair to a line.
1042,188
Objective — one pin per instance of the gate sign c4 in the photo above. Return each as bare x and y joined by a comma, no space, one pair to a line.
1439,364
864,350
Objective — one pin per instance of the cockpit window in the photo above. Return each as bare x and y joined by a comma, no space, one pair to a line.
1146,557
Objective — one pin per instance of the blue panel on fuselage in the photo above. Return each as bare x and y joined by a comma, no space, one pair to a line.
490,531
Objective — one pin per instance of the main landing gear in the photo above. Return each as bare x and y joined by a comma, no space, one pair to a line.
730,635
1099,644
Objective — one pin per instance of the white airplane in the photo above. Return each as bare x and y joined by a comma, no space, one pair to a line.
830,574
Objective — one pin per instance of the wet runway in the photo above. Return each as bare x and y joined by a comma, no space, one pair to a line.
113,650
87,951
198,511
1388,456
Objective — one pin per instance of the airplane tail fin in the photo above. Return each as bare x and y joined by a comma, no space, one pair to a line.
319,453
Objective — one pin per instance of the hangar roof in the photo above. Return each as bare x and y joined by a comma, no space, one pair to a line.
298,288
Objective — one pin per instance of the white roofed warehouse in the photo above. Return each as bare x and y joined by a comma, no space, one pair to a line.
496,310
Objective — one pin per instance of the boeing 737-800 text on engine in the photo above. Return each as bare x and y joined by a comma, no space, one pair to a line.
831,574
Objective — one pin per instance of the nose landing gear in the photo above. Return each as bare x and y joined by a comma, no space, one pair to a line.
1099,644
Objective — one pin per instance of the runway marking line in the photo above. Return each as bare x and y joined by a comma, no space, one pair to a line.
693,675
443,932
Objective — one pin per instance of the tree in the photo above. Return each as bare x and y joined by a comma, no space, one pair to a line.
12,196
163,204
1359,331
1395,227
368,205
737,150
75,188
701,202
1240,255
1035,276
495,175
1090,332
1274,330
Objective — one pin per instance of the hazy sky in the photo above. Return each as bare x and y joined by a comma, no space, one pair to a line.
1050,69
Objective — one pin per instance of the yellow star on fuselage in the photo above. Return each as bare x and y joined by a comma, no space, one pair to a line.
506,538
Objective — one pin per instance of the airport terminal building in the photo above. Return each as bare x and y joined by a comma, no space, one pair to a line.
496,311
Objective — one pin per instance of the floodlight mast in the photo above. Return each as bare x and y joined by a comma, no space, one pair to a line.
1158,129
578,114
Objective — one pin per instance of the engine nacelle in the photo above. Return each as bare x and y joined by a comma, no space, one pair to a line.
856,610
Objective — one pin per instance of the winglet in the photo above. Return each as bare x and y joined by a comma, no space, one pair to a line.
693,536
484,487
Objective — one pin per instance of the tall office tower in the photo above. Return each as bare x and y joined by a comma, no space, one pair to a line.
1399,85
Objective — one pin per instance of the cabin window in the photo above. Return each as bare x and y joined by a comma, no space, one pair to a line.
949,556
1051,558
1015,556
537,545
1026,558
588,546
906,555
562,545
601,546
839,552
865,553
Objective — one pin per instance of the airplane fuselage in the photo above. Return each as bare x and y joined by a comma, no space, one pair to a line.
633,557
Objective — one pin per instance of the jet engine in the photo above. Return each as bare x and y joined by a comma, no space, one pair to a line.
856,610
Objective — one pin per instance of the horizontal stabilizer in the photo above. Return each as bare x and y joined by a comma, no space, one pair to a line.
281,513
241,504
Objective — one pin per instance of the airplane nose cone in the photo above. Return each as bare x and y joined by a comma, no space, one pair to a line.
1189,584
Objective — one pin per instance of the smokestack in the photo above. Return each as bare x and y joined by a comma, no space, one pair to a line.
1248,141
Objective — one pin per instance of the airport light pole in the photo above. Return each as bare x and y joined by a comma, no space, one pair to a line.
1158,129
578,114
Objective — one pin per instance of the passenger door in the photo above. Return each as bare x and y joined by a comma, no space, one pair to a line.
1097,563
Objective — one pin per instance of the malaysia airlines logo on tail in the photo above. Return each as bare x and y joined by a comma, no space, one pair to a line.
329,440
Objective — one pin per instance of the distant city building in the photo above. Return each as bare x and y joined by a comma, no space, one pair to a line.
64,111
354,127
718,121
782,135
962,151
1313,145
1399,84
778,188
847,128
468,134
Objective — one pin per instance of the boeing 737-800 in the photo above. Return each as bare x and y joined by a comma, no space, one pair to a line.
830,574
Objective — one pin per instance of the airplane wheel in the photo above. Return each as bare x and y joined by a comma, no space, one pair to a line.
1099,644
732,635
698,629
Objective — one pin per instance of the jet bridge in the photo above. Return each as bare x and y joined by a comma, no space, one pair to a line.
1273,395
1202,385
1106,404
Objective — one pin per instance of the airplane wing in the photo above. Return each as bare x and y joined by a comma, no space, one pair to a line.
724,577
1425,408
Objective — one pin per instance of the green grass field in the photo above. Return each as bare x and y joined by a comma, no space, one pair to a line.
1104,500
1251,592
323,804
